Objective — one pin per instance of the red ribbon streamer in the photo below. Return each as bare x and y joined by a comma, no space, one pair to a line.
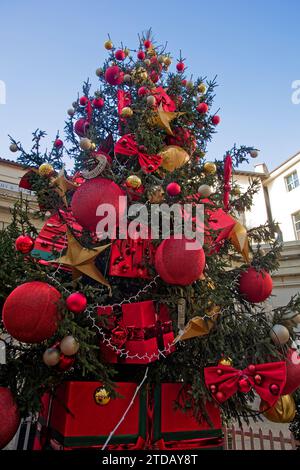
267,380
163,98
227,178
127,145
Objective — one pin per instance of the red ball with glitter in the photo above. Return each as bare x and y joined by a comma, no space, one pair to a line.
202,108
24,244
58,143
180,66
147,44
173,189
76,302
83,101
114,75
143,91
98,103
141,55
215,120
120,54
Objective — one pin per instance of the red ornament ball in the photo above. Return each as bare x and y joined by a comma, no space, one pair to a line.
141,55
65,362
58,143
202,108
83,101
76,302
154,76
255,286
177,264
292,372
215,120
114,75
9,417
24,244
81,127
147,44
180,66
182,137
120,54
89,197
183,82
30,312
173,189
143,91
98,103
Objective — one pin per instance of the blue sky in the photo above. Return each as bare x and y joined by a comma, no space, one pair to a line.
48,48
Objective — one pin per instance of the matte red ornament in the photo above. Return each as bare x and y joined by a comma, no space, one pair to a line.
58,143
147,44
141,55
92,194
114,75
274,389
255,286
202,108
178,265
9,417
120,54
180,66
24,244
173,189
81,127
83,101
98,103
142,91
251,368
292,372
76,302
30,312
215,120
220,396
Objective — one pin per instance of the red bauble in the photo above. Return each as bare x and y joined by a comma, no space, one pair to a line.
176,264
65,362
141,55
81,127
76,302
58,143
24,244
182,137
154,76
244,385
173,189
30,312
202,108
215,120
147,44
98,103
92,194
184,82
180,66
9,417
114,75
292,372
120,54
255,286
83,101
142,91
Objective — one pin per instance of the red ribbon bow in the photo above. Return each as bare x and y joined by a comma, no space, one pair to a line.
227,178
267,380
127,145
163,98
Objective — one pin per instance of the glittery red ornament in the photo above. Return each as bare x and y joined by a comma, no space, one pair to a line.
9,416
98,103
202,108
180,66
81,127
30,312
120,54
147,44
141,55
24,244
255,286
58,143
215,120
154,77
173,189
114,75
142,91
76,302
83,101
176,264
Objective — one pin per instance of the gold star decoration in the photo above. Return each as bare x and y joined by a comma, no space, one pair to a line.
61,185
81,260
163,119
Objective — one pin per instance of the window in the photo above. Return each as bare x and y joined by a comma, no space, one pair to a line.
292,181
296,220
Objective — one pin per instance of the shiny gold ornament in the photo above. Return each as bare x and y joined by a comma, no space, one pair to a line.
199,326
62,185
139,74
93,147
163,118
168,61
147,62
69,345
291,319
126,52
151,52
283,411
101,396
126,112
127,78
81,260
161,59
239,238
51,357
189,85
133,181
209,168
226,361
108,45
151,101
202,88
155,195
46,169
173,157
236,191
85,144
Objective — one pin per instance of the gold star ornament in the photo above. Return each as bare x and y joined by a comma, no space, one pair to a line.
163,118
61,185
81,260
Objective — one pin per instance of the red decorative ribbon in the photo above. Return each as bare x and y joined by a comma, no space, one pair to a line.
163,98
124,100
227,178
89,111
127,145
267,380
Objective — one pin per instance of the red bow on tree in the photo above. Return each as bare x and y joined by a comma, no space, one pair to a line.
227,177
267,380
163,98
127,145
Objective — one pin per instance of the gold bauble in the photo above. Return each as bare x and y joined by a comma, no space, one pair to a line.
108,45
126,52
151,52
161,59
133,181
93,146
236,191
189,85
168,61
283,411
151,101
209,168
101,396
126,112
173,157
139,74
69,345
155,195
202,88
46,169
226,361
127,78
51,357
85,144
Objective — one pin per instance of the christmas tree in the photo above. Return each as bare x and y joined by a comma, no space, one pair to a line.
109,304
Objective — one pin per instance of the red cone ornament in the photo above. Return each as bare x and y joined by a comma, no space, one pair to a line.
9,417
255,286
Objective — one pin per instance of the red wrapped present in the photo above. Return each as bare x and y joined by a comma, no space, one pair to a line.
131,258
142,335
77,420
174,428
